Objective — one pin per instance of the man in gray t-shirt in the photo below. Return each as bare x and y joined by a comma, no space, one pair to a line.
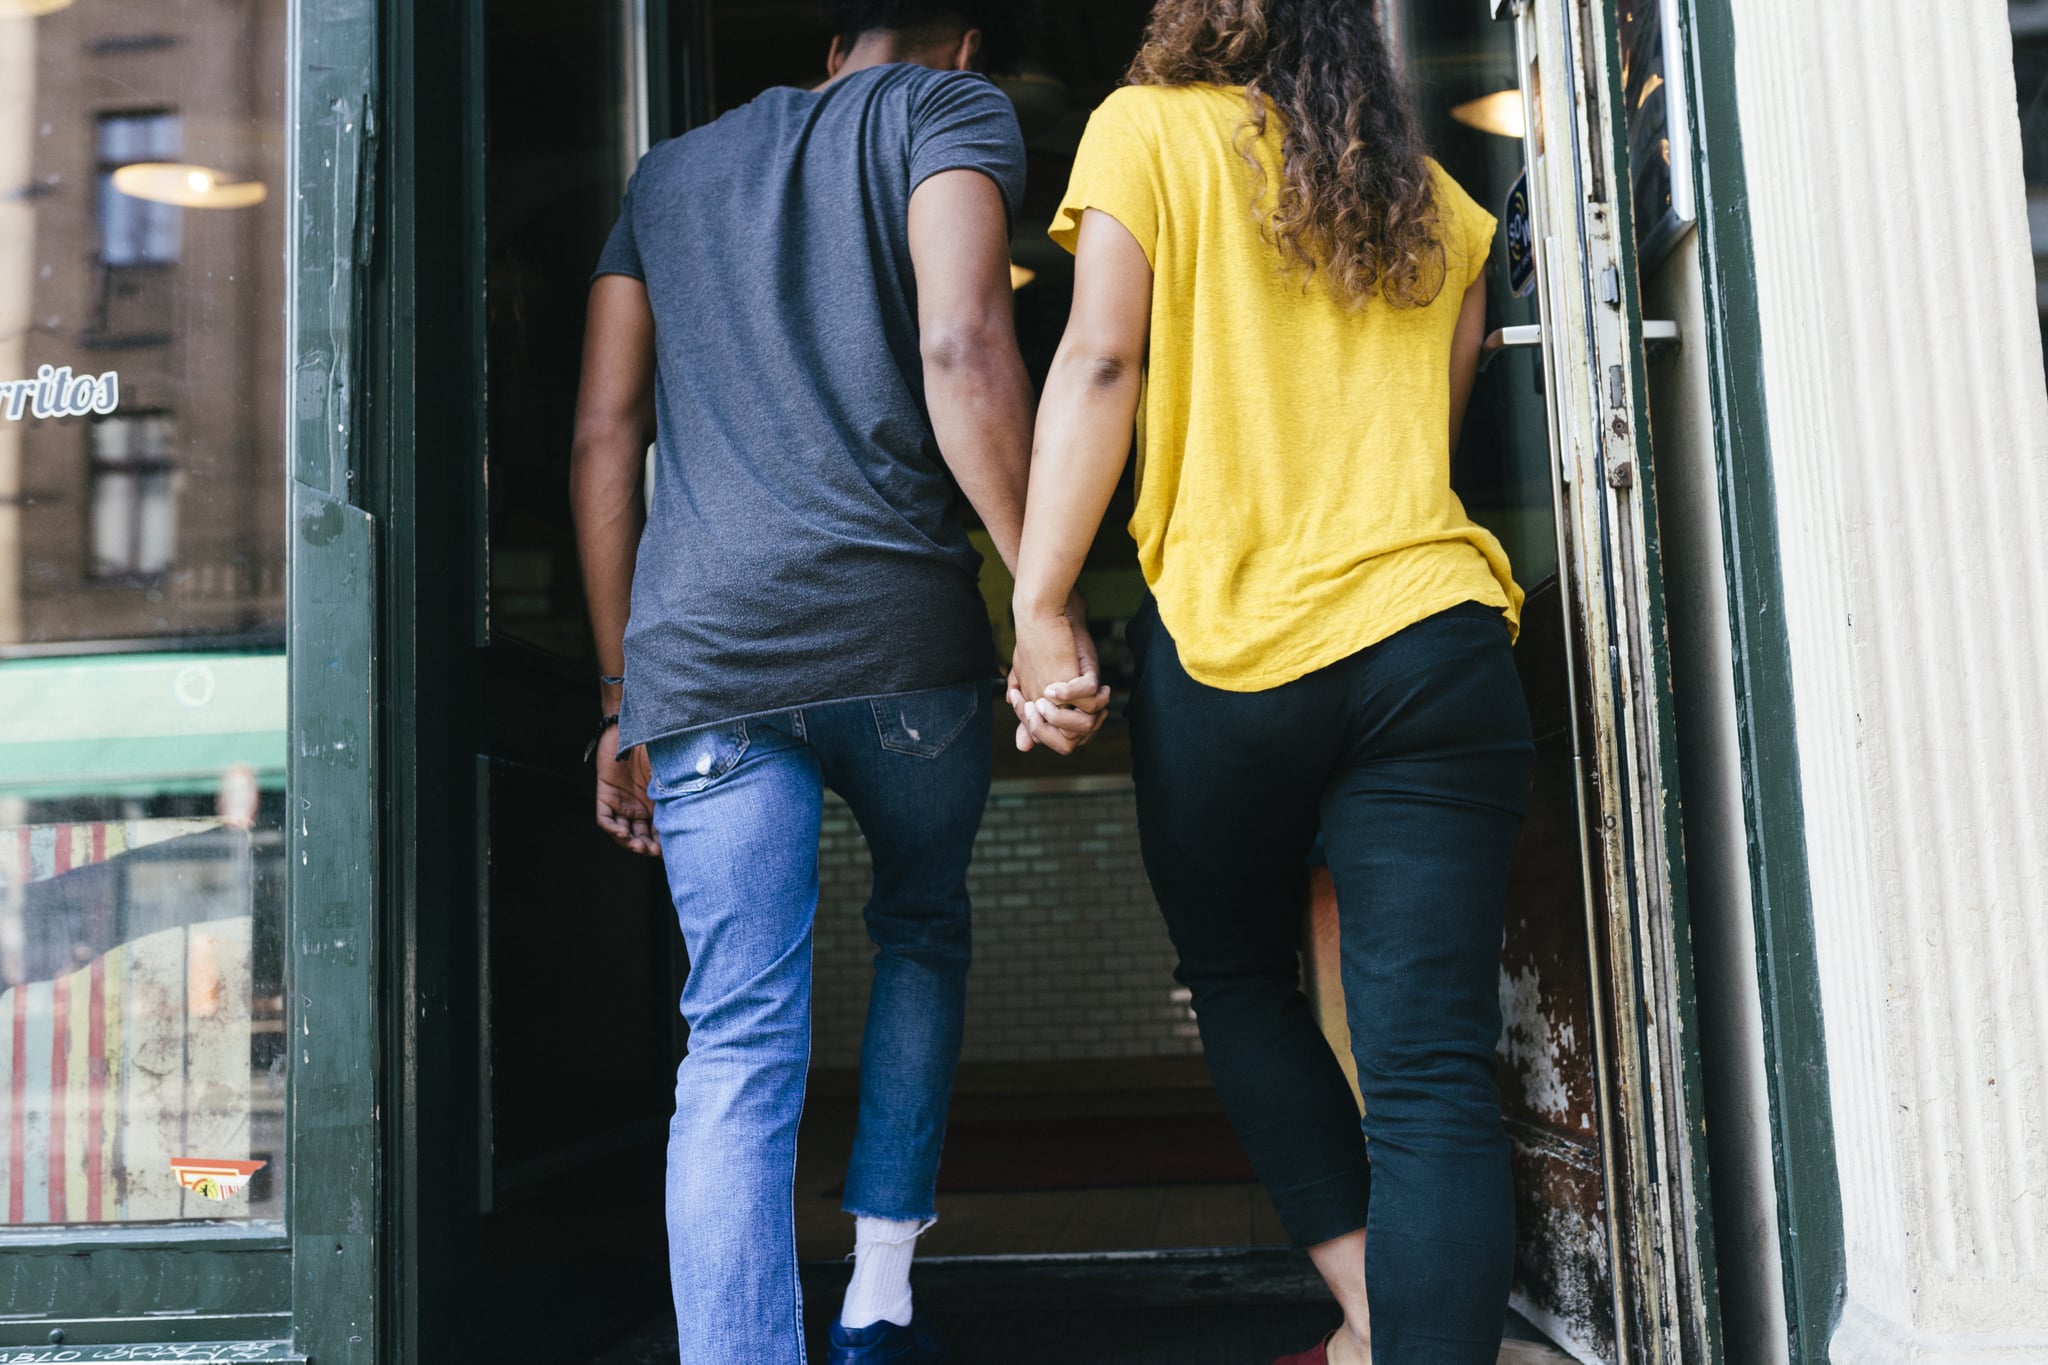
805,306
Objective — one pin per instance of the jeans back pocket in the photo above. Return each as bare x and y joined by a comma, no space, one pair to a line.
691,761
922,724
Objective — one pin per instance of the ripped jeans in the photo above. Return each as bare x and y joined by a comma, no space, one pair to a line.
738,807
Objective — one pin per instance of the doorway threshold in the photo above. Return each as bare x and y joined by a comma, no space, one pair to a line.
1216,1306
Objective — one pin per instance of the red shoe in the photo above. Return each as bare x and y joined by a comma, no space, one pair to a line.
1318,1354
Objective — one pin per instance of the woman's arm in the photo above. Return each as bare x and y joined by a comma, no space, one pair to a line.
1085,419
1465,348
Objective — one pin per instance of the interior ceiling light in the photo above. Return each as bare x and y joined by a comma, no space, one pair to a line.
188,187
1499,113
30,9
1020,276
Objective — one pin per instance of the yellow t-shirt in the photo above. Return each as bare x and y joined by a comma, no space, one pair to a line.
1294,493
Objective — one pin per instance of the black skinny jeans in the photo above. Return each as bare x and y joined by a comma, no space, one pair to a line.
1412,758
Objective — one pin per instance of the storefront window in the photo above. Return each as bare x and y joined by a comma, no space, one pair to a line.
142,611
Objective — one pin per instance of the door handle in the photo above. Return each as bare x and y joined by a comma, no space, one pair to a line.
1509,338
1659,335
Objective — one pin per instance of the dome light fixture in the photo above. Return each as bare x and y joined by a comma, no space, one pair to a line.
1499,113
187,187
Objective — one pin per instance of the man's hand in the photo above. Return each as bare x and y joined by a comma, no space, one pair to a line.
623,810
1055,681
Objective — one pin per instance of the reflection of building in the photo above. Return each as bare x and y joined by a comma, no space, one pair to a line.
165,519
141,216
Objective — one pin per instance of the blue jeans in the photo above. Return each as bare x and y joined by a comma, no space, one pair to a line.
738,807
1412,760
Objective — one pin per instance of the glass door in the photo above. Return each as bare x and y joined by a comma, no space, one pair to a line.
1604,186
185,891
1599,1096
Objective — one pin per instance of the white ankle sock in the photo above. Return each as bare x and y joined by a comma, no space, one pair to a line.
880,1289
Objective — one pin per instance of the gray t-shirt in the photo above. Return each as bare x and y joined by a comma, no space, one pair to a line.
803,543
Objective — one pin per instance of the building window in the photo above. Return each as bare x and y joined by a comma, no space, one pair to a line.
134,495
136,232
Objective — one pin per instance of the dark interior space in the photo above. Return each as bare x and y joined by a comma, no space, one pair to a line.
1084,1123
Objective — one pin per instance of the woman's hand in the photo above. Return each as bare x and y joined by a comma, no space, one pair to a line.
1055,685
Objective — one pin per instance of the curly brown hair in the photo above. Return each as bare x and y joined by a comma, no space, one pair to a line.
1355,197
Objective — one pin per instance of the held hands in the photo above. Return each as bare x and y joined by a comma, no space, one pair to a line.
623,810
1055,685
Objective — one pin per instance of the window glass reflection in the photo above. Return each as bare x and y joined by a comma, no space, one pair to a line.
142,611
133,258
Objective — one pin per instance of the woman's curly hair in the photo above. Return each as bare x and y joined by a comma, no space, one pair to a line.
1355,197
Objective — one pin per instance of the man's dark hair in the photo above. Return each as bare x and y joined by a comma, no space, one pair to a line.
1007,26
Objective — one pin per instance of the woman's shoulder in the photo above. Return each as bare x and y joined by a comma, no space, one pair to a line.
1173,103
1443,179
1453,200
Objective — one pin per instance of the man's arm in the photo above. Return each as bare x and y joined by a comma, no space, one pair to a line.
975,384
614,424
976,388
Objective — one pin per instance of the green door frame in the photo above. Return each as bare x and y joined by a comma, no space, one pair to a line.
303,1289
1809,1197
335,943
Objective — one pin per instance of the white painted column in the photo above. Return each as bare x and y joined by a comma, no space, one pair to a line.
1909,446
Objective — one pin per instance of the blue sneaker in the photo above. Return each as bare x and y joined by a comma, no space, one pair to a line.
884,1343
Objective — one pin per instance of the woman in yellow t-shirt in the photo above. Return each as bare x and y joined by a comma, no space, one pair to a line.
1287,296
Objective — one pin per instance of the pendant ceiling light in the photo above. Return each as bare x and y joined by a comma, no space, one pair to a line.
188,187
1499,113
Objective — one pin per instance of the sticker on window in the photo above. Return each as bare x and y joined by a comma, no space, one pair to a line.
214,1179
56,392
